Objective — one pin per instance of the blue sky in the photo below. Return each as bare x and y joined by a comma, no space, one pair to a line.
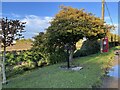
38,14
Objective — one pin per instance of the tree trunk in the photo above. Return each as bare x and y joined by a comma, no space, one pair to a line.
68,62
70,58
3,67
71,54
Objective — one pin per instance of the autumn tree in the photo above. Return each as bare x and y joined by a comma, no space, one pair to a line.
72,24
10,30
67,27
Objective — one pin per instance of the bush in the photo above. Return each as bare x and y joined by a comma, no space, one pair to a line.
22,61
19,69
14,70
28,65
89,47
57,57
10,59
25,56
42,63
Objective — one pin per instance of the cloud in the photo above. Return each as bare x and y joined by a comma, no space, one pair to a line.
107,18
108,21
116,29
35,24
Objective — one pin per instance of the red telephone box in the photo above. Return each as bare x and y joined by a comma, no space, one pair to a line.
105,45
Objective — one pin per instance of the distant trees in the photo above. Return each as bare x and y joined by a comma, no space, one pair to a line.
114,39
10,30
70,25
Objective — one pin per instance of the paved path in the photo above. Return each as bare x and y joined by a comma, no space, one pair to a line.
114,79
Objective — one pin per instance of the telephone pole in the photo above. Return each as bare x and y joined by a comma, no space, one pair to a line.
103,13
103,10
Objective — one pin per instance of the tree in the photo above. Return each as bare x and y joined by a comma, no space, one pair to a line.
68,27
11,30
38,40
72,24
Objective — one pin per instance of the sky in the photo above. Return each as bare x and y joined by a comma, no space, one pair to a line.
39,14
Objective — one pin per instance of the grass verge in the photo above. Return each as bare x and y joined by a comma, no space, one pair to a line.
94,67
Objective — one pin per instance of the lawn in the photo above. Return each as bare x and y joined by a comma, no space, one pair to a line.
52,76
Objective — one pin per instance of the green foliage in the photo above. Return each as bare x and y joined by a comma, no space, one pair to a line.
12,71
19,62
10,59
67,28
57,57
38,40
74,24
53,77
51,52
89,47
42,63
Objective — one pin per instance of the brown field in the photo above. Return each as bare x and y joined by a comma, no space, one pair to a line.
20,45
27,44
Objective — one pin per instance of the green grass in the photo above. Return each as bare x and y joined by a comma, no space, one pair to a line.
54,77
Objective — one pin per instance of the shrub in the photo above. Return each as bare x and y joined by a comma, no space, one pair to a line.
28,65
11,71
42,63
89,47
10,59
57,57
21,61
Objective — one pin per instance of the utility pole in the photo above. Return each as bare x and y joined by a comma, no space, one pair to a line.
101,42
103,10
